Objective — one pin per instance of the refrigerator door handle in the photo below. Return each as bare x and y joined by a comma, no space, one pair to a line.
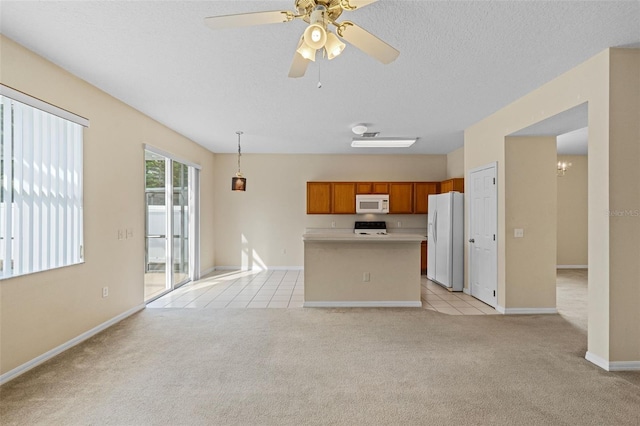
435,226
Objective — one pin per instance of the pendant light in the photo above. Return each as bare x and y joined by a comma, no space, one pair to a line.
238,183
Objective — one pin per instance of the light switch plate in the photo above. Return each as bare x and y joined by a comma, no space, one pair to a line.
518,233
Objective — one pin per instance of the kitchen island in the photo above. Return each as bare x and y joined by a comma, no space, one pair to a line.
351,270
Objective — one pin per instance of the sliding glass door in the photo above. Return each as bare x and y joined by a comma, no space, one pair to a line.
155,271
171,203
180,223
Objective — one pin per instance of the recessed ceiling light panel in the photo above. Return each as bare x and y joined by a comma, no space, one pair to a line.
382,142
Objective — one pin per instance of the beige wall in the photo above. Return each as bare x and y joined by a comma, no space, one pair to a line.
572,213
264,225
530,185
44,310
624,205
455,164
609,83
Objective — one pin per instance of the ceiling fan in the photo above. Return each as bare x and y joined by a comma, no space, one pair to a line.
318,14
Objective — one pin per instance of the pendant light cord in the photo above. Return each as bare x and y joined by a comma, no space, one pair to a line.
239,153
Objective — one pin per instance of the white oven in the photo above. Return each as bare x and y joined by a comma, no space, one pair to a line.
372,203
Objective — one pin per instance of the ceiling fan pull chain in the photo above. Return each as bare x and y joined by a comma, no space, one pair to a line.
319,83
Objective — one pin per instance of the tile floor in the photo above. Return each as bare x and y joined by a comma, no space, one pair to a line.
238,289
437,298
285,289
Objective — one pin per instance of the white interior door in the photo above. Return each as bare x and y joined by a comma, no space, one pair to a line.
483,244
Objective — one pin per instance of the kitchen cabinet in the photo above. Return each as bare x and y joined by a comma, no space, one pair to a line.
363,187
400,197
319,198
380,188
334,263
404,197
422,191
423,258
456,184
344,197
372,188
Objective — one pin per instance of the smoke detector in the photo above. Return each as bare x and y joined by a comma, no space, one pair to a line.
359,129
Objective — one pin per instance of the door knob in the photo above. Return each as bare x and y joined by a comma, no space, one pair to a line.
472,240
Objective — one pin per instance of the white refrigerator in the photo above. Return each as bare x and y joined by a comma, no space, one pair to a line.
445,240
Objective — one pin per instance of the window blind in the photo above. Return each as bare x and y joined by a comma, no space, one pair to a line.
41,203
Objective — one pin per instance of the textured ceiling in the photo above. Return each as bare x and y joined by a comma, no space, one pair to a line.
569,126
459,62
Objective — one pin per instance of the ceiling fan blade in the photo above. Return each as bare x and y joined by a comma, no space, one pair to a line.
367,42
356,4
248,19
298,66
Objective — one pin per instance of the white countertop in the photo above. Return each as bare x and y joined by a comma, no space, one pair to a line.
352,237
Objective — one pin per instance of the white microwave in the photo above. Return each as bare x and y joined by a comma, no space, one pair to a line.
372,203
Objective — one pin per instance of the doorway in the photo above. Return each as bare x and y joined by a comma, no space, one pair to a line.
171,218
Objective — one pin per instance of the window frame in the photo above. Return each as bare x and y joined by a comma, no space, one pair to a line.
46,203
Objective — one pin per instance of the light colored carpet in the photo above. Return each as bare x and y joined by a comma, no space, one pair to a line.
325,366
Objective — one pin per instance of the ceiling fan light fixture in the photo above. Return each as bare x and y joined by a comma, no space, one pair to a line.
315,36
333,46
317,14
316,33
306,51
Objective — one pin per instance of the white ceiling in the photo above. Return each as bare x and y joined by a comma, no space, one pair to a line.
569,127
459,62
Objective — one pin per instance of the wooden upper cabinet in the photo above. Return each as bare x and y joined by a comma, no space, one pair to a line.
401,197
422,192
455,184
404,197
318,197
344,197
372,187
363,187
380,188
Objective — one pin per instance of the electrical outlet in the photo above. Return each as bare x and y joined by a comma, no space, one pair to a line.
399,224
333,224
518,233
284,251
105,291
366,277
121,234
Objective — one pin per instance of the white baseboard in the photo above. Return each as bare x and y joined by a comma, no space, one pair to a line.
207,271
365,304
12,374
613,365
257,268
572,266
466,291
525,311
